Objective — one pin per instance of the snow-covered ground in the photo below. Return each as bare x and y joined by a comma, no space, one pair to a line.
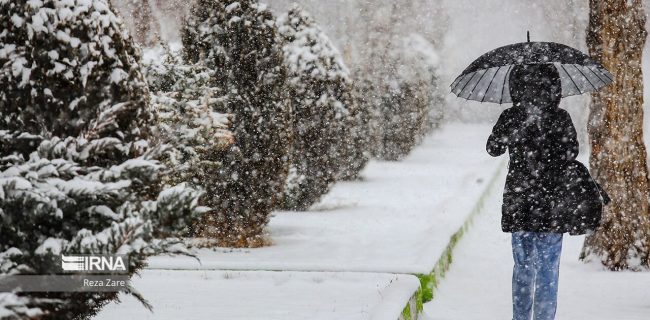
348,258
268,295
397,219
350,252
478,284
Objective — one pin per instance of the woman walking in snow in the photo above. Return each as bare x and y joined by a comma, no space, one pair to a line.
548,192
537,210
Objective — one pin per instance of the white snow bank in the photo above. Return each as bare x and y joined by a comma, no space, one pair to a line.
265,295
398,219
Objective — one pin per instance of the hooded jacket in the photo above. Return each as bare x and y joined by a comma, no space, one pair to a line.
546,189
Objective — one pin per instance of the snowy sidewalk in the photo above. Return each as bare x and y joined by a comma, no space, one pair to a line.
398,219
363,242
478,284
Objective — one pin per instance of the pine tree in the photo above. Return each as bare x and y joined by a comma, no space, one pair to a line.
75,80
616,38
400,79
356,147
411,105
55,203
376,66
78,160
239,40
324,111
369,98
185,97
404,112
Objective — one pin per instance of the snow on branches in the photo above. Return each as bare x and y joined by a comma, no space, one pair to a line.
186,97
326,116
239,40
75,66
79,169
53,204
406,91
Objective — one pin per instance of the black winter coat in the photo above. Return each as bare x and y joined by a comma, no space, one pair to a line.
546,189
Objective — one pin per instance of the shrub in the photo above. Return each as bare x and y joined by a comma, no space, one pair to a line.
239,40
73,66
324,111
185,97
78,169
411,104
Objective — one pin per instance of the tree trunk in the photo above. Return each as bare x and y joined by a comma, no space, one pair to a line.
615,37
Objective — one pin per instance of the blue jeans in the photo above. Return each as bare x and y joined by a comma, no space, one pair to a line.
535,274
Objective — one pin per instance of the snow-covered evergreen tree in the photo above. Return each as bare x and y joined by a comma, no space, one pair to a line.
369,98
356,147
402,90
185,97
411,103
54,203
398,73
64,64
239,40
324,111
404,112
78,168
419,62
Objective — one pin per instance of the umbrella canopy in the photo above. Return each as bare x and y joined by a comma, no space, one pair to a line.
486,79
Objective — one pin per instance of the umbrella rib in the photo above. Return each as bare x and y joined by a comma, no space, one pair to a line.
597,76
461,78
606,76
477,82
505,78
583,74
574,83
490,84
456,81
466,83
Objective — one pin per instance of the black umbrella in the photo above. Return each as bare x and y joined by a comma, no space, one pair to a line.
486,79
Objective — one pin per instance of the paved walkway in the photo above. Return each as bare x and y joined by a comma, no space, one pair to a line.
398,219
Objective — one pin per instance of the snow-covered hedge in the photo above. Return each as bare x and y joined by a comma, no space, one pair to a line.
239,40
411,104
185,97
78,167
369,98
52,203
71,64
357,146
418,62
325,112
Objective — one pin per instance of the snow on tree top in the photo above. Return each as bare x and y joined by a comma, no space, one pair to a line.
308,49
231,7
52,245
64,58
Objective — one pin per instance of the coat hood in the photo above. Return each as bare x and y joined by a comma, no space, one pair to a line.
535,86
